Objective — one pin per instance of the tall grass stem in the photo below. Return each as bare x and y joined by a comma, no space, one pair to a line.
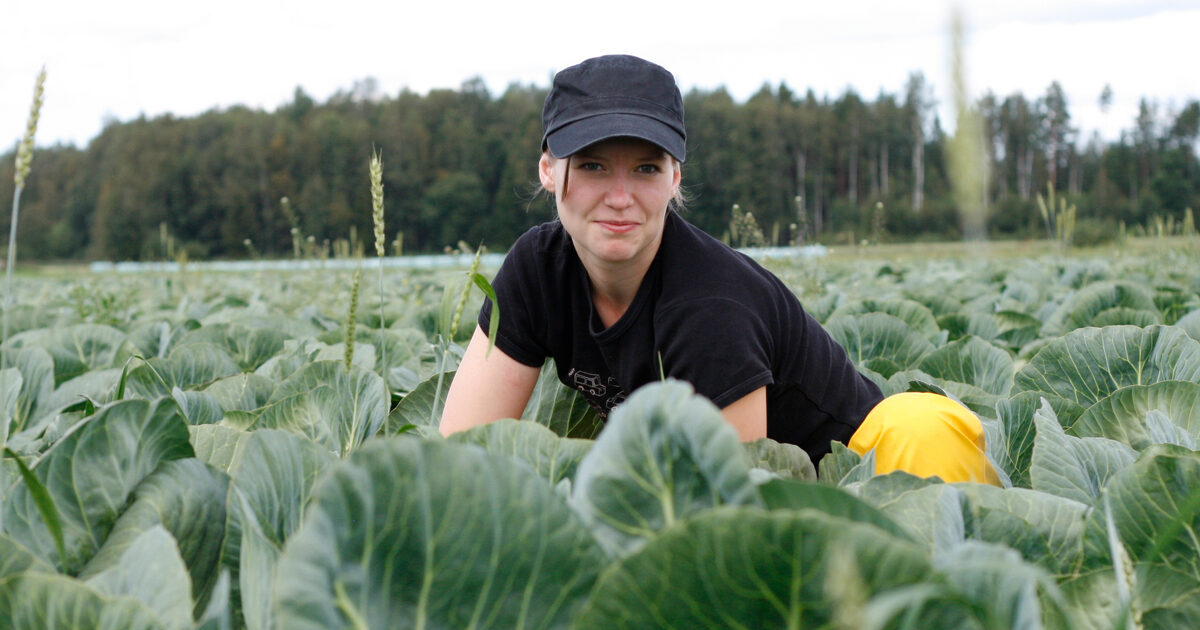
352,317
24,159
450,328
12,259
967,160
376,172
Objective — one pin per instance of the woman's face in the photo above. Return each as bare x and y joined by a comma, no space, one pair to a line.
615,199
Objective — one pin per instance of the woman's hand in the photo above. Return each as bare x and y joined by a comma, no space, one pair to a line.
487,386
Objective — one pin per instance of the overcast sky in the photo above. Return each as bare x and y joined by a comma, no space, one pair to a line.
116,59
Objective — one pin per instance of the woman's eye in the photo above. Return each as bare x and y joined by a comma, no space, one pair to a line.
649,168
590,166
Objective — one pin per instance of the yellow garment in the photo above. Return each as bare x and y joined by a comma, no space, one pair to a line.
925,434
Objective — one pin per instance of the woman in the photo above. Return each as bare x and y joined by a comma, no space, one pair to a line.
621,290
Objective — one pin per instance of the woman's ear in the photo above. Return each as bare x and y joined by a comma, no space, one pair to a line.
546,171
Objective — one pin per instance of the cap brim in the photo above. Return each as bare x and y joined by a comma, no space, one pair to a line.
570,138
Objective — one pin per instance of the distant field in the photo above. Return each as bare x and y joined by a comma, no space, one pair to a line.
1008,249
885,251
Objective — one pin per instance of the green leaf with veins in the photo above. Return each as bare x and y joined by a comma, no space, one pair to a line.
742,567
151,571
92,472
1123,414
1089,364
409,533
552,457
1072,467
666,454
42,601
186,498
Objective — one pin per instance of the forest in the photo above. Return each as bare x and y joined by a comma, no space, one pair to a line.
459,166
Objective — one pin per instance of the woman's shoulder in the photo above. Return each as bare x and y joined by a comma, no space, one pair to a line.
697,263
542,234
539,241
541,261
707,285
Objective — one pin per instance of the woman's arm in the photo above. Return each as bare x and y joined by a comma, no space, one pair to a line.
488,386
748,415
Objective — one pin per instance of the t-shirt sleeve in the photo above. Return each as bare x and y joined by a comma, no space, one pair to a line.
718,345
520,294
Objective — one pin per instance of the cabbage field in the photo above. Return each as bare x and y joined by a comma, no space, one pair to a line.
214,450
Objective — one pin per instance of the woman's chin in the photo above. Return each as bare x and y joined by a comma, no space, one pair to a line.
614,252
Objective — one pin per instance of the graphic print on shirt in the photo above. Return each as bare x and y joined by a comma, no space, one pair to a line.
601,393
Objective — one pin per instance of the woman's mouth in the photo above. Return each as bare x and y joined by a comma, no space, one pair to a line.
618,227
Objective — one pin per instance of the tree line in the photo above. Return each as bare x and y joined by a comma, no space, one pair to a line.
460,165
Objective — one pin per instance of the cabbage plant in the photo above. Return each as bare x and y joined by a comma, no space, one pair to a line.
203,458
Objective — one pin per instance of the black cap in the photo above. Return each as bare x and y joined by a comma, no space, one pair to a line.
613,96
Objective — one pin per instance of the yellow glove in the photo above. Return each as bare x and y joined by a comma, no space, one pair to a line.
925,434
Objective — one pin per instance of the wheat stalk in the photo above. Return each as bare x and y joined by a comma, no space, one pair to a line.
462,299
448,334
297,237
352,317
967,161
24,159
25,150
375,168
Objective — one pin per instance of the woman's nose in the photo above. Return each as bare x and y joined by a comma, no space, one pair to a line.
618,195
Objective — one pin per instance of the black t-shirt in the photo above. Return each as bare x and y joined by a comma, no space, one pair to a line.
705,314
